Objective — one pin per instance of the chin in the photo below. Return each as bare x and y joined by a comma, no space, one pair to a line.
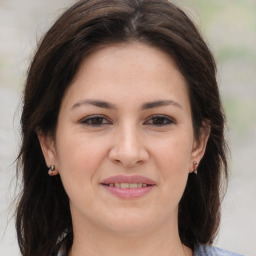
131,224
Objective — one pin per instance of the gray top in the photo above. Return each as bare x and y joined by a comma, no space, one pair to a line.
200,250
206,250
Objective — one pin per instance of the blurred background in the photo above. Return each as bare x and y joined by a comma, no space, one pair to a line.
228,26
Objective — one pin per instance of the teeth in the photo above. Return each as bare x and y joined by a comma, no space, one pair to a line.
124,185
133,185
117,185
127,185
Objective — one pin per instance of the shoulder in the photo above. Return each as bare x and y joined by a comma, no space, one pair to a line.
207,250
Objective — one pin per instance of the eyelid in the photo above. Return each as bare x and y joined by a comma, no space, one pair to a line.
90,117
170,120
167,120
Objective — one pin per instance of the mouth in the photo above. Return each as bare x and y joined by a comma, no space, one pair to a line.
128,187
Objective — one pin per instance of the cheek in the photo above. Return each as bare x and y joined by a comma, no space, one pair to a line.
79,162
172,160
174,153
78,158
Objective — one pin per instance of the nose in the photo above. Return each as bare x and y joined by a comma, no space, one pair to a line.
128,147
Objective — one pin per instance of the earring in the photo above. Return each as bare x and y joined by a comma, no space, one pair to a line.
52,171
195,164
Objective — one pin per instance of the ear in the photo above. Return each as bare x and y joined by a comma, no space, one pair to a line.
48,149
199,146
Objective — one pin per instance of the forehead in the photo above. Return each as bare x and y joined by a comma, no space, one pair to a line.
135,56
128,70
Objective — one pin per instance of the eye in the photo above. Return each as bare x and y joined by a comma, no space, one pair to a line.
159,120
95,121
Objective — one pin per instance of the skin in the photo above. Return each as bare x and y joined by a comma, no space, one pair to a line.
157,142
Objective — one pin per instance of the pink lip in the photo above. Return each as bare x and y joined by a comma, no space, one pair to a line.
128,193
128,179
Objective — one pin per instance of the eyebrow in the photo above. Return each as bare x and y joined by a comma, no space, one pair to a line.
160,103
107,105
96,103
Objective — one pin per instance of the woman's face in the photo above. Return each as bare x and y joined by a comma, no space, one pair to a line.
124,143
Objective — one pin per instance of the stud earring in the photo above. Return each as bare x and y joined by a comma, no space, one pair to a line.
52,171
195,164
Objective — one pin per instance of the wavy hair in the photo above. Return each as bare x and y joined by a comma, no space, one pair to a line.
43,216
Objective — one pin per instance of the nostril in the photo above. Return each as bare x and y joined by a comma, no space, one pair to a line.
128,155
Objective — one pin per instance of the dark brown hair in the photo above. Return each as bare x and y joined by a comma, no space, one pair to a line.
43,214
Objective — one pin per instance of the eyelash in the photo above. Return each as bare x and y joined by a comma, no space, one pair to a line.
97,121
94,121
165,120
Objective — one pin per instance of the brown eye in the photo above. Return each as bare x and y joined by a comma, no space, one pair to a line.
159,120
95,121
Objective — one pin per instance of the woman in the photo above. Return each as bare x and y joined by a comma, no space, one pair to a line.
123,149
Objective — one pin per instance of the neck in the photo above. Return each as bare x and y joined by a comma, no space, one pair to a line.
95,242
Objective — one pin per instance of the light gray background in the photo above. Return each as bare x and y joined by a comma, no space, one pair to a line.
229,27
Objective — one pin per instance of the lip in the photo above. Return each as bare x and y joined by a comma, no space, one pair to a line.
128,193
128,179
